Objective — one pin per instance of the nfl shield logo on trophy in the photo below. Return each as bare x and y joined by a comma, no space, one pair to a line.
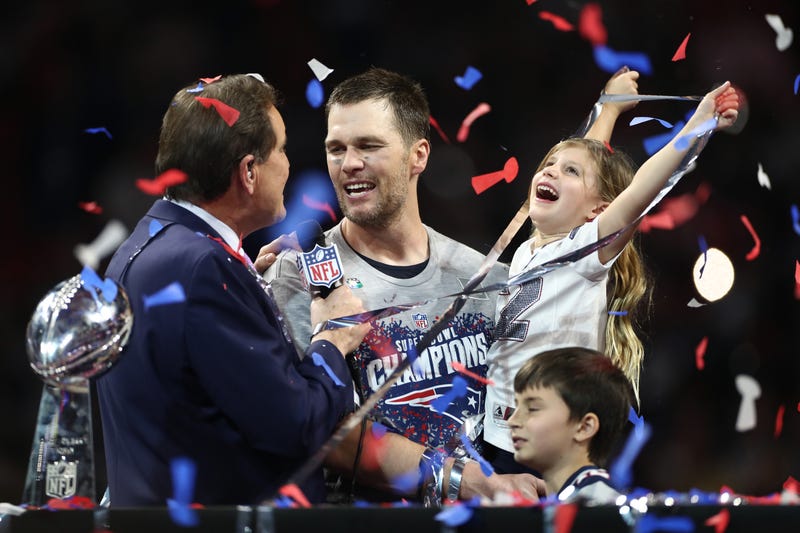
61,479
420,319
322,266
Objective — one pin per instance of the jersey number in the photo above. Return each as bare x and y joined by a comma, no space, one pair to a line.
508,327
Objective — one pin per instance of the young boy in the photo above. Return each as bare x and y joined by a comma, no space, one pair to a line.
571,407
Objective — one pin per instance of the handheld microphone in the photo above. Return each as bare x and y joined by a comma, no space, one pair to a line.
319,263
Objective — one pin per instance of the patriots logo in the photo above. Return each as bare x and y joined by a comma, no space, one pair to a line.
421,320
321,265
425,397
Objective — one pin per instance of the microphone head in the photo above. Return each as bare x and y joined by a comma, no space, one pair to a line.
309,233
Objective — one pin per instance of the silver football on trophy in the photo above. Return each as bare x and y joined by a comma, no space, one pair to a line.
78,331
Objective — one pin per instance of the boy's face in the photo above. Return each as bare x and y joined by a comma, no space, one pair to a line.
541,429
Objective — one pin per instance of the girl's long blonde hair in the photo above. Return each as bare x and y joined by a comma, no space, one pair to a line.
628,283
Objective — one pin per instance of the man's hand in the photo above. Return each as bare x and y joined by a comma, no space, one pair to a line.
269,252
340,302
474,483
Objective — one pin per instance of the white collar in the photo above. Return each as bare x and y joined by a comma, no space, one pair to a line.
225,231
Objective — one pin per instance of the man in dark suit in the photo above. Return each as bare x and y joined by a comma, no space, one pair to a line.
209,373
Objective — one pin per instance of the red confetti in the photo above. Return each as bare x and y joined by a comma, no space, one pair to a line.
559,23
485,181
91,207
676,211
791,485
590,25
530,2
752,254
480,110
438,129
319,206
156,187
779,421
293,491
680,53
565,516
719,521
228,114
797,291
211,80
700,353
458,367
73,502
608,147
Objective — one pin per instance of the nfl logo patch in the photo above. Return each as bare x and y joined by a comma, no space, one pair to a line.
322,266
420,319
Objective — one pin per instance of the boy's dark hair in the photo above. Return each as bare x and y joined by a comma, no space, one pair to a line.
196,139
405,97
588,382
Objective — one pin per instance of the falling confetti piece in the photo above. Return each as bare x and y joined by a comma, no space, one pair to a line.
700,354
171,294
486,468
559,23
706,126
608,147
797,84
750,391
319,206
791,485
635,419
784,35
763,179
315,94
457,390
752,254
565,517
91,207
293,491
228,114
795,219
454,515
106,132
106,286
656,142
621,469
590,25
379,430
611,61
320,361
680,53
157,186
676,211
797,290
618,313
197,89
779,421
458,367
641,120
319,70
485,181
720,521
209,81
701,241
184,473
530,2
650,523
479,111
469,79
438,129
407,482
154,228
112,235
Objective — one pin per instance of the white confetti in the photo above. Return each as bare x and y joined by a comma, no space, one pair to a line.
750,391
783,39
104,244
319,70
694,303
763,179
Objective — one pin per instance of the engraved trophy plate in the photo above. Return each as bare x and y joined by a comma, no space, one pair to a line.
77,332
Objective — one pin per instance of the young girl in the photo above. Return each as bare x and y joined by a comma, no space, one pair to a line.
581,192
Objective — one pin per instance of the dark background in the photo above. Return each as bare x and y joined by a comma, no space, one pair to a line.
68,66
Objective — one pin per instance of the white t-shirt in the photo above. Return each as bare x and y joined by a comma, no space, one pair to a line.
565,307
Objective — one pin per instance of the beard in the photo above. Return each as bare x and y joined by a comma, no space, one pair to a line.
388,207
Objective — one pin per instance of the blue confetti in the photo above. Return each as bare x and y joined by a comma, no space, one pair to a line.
458,390
455,515
611,61
406,482
796,219
657,142
378,430
618,313
469,79
703,248
640,120
486,468
315,94
197,89
650,523
320,361
184,473
98,130
171,294
155,227
284,502
699,131
107,287
796,83
635,419
620,470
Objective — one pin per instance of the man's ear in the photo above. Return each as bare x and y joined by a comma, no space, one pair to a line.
245,173
420,151
588,427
